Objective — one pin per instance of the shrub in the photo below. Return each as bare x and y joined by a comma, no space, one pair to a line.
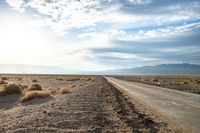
59,79
4,78
64,90
25,86
2,82
34,80
35,94
35,87
155,80
11,89
53,90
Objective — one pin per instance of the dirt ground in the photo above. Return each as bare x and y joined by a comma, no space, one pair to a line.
189,84
91,106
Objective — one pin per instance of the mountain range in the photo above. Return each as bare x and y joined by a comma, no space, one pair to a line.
163,69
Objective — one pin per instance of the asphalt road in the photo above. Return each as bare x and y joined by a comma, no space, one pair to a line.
183,106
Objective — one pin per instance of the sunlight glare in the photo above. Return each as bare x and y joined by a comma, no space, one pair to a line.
18,40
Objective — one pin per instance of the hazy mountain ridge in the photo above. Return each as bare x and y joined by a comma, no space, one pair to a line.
163,69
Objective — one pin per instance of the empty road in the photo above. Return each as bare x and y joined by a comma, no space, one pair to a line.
184,107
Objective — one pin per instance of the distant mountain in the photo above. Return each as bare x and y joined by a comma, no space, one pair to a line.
34,69
164,69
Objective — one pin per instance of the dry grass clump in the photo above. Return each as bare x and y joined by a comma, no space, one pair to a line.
155,80
2,82
53,90
88,79
10,89
72,78
198,82
59,79
64,90
34,80
35,87
83,78
35,94
4,78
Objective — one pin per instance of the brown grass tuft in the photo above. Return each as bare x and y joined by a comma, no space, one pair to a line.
53,90
4,78
10,89
2,82
35,87
64,90
34,80
35,94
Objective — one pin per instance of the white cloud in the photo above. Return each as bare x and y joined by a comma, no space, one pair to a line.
159,33
65,15
16,4
140,2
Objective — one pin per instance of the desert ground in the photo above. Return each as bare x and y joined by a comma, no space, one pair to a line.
71,103
189,84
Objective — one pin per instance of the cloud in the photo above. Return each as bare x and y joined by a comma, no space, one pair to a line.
66,15
103,34
16,4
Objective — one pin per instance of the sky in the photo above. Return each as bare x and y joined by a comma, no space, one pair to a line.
98,35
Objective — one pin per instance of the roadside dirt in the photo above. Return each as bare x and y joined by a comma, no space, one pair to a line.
89,107
189,84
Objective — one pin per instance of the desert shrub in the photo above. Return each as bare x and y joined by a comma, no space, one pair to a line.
35,87
2,82
10,89
34,80
35,94
59,79
4,78
72,78
73,86
53,90
198,82
88,78
64,90
185,82
25,86
155,80
20,79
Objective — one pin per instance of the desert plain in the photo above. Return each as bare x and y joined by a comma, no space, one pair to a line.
80,103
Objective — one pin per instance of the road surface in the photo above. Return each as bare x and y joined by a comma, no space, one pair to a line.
183,106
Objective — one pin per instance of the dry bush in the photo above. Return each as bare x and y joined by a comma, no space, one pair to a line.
88,78
35,94
2,82
155,80
35,87
72,78
53,90
34,80
20,79
64,90
59,79
10,89
4,78
25,86
92,79
73,86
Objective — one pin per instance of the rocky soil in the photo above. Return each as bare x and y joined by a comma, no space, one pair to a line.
89,107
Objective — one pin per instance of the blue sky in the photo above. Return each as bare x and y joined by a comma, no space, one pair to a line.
99,34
